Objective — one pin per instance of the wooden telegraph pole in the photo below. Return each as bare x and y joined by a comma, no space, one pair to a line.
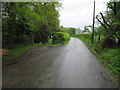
93,23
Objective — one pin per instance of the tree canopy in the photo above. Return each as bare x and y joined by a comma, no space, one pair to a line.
110,20
70,30
28,22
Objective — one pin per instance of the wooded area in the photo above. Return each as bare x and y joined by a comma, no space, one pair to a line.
28,22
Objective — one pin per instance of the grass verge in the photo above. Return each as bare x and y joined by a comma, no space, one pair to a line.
109,57
11,54
19,50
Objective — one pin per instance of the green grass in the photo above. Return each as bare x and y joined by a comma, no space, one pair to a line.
107,56
110,59
49,43
20,49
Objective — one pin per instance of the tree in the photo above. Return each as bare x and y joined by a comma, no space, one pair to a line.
99,31
49,20
71,31
63,29
86,29
111,22
28,22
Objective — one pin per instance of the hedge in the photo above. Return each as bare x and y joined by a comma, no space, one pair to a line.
60,37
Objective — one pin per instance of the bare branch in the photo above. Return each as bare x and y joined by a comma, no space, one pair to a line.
104,20
100,22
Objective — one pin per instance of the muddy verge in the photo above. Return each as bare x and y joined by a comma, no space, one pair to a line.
25,55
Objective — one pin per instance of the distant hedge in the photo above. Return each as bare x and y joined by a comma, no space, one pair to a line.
60,37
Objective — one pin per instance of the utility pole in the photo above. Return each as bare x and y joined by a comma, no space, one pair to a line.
93,23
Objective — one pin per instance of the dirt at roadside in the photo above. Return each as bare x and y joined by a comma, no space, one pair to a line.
25,55
3,51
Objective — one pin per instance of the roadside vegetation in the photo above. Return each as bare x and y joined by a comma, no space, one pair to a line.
10,54
18,50
29,24
60,38
26,25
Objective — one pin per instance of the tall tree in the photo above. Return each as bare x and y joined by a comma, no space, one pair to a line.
111,22
28,22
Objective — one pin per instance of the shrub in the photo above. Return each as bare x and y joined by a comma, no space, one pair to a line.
60,37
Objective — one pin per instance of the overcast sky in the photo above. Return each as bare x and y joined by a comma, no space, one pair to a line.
78,13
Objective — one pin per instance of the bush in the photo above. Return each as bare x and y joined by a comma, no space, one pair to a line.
60,37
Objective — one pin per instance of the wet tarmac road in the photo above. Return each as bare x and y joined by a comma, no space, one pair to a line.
69,66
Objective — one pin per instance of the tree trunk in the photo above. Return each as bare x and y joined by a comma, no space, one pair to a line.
107,43
32,38
98,37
